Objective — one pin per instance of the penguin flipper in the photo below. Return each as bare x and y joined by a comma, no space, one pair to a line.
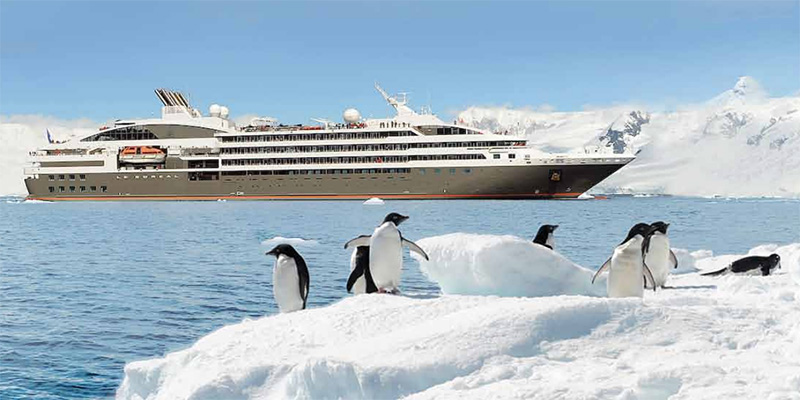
413,247
604,267
354,275
362,240
648,275
370,286
714,273
302,274
673,259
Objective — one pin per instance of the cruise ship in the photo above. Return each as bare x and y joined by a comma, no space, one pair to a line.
185,155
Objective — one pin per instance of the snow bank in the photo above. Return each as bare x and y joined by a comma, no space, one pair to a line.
374,201
291,240
463,263
710,337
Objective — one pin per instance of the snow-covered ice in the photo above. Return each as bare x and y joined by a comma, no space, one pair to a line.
463,263
374,201
289,240
710,337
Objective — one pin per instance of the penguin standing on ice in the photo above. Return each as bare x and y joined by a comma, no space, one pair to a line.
627,265
289,278
386,252
545,236
360,280
660,258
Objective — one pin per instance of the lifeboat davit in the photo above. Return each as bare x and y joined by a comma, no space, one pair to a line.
142,155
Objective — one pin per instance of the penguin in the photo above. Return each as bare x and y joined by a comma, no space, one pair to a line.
386,252
627,265
360,280
289,278
545,236
750,265
660,258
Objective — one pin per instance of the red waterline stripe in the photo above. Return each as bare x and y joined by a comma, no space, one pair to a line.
307,197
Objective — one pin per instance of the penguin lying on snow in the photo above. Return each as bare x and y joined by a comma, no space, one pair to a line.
752,264
627,265
289,278
545,236
660,258
386,252
360,280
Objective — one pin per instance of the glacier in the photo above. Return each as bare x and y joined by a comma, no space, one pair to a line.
709,337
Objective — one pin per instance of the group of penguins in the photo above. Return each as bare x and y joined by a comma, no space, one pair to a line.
642,261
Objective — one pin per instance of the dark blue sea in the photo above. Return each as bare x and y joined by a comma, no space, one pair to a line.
88,287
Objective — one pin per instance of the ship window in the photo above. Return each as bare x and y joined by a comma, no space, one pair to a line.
124,176
422,171
51,178
118,177
71,177
93,188
61,177
83,177
437,171
72,188
144,176
136,177
152,177
83,188
60,189
467,171
103,189
497,156
51,189
512,156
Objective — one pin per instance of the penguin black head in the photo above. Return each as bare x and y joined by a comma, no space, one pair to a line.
395,218
548,228
774,261
285,249
660,226
640,229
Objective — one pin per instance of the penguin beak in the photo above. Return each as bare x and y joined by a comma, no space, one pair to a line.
273,252
555,227
402,219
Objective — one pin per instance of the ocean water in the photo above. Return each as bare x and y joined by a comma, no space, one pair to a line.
87,287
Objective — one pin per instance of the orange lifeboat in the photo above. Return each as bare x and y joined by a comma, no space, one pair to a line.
142,155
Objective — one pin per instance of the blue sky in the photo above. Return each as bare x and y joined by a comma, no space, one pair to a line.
295,60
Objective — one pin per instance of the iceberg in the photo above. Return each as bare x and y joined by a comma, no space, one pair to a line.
374,201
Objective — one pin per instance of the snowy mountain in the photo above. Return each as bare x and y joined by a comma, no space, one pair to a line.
740,143
20,134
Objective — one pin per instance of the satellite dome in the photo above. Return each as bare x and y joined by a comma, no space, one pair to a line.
351,116
223,112
214,110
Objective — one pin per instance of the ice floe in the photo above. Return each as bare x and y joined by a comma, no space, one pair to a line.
709,337
289,240
374,201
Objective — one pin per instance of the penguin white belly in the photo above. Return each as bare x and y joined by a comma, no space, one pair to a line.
551,241
286,284
386,256
360,287
625,277
658,258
